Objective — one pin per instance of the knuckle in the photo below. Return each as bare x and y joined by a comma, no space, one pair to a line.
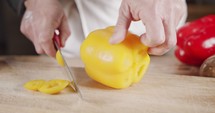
158,41
152,42
171,41
171,44
39,50
43,39
26,32
23,28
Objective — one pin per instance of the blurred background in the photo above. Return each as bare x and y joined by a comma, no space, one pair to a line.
12,42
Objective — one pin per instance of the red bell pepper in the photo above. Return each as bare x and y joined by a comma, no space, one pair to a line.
196,41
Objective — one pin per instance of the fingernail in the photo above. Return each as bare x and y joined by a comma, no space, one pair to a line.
113,40
117,37
157,51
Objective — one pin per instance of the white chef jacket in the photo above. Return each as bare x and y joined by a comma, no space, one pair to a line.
85,16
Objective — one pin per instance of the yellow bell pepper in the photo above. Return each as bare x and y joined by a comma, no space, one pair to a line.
54,86
118,65
34,84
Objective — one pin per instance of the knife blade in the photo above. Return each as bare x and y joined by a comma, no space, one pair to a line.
69,73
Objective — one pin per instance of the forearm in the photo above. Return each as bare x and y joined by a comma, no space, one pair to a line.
18,6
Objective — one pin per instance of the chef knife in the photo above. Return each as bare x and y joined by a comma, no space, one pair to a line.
70,74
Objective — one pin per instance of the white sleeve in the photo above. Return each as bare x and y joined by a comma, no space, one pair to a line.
74,41
97,14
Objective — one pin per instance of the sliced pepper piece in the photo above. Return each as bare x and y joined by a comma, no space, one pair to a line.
59,59
118,65
34,84
54,86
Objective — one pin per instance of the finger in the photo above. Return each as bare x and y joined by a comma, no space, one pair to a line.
45,34
170,42
49,48
122,25
64,30
154,31
38,48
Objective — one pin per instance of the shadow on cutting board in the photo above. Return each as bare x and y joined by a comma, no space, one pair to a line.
84,80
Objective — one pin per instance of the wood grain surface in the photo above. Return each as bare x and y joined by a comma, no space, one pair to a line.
167,87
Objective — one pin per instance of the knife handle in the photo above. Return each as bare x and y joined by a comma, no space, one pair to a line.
57,39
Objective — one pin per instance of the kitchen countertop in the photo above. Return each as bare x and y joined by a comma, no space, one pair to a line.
168,87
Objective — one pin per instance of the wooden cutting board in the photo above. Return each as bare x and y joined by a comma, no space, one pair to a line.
167,87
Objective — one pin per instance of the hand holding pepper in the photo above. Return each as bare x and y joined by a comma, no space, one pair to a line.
160,18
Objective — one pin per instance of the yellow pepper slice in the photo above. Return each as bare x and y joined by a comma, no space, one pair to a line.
54,86
34,84
118,65
48,87
59,59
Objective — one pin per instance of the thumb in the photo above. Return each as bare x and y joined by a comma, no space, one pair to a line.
122,25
